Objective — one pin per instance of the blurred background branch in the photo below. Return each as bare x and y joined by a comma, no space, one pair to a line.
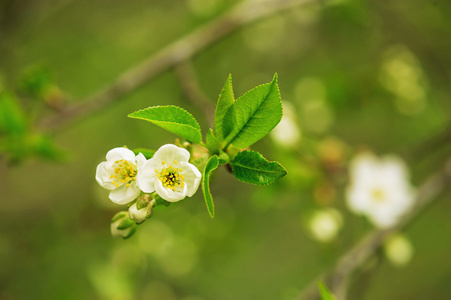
338,277
175,53
193,92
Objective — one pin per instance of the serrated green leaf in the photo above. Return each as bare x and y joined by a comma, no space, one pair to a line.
172,118
225,100
212,142
211,165
252,167
253,115
148,153
325,293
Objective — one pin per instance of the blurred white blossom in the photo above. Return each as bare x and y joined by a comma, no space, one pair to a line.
287,132
169,174
398,249
379,189
118,174
325,224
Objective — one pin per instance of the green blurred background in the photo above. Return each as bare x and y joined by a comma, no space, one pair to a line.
358,75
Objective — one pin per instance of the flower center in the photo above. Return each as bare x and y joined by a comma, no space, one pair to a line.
124,172
170,177
378,195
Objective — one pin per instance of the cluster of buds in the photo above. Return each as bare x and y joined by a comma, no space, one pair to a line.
124,223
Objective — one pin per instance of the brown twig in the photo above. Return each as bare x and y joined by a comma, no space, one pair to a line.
359,254
175,53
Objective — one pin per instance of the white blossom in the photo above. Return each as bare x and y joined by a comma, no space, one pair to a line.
379,189
118,174
169,174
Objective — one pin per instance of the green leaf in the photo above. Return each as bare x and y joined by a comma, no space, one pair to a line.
252,167
325,293
212,164
45,147
213,145
225,100
148,153
36,81
12,116
253,115
172,118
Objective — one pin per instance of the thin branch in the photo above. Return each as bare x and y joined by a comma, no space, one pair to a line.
192,90
175,53
368,245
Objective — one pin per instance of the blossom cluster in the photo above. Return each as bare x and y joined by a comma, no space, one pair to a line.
168,174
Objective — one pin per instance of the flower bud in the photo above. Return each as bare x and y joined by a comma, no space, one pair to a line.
141,209
122,226
398,249
325,224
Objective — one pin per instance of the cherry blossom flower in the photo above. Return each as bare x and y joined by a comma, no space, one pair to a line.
169,174
379,189
118,174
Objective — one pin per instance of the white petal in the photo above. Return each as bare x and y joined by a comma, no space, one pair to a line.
383,218
103,176
124,194
358,199
363,167
140,159
168,194
147,176
170,152
393,172
120,153
192,178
